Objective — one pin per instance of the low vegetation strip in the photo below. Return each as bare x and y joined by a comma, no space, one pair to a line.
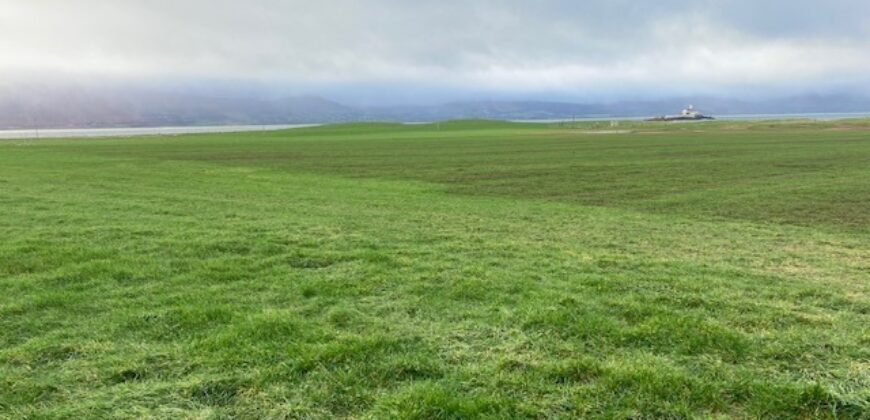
453,270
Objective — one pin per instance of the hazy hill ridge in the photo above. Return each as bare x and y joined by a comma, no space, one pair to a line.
82,108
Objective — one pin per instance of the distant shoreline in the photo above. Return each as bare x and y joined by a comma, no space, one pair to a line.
55,133
820,116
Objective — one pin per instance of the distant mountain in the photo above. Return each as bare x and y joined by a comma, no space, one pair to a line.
78,108
505,110
72,107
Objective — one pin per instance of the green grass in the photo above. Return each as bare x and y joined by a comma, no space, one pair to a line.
461,270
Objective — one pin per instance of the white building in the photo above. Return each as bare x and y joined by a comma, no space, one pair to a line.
690,112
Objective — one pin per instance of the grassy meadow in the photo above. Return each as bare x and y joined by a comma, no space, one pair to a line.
457,270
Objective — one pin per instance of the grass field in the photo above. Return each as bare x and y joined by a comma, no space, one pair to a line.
460,270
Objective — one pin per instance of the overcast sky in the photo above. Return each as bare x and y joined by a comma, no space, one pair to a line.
612,49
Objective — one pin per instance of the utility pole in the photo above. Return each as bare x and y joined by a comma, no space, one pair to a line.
35,120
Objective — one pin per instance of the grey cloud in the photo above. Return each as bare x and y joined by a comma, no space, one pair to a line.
509,45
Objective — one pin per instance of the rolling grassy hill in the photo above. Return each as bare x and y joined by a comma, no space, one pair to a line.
454,270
